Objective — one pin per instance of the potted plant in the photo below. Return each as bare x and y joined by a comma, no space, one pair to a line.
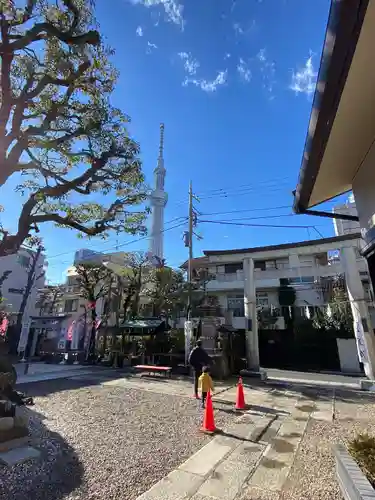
355,468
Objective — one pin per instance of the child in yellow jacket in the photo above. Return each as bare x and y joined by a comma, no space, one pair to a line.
205,383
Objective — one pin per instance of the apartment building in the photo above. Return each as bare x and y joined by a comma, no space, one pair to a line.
14,274
65,313
306,266
345,226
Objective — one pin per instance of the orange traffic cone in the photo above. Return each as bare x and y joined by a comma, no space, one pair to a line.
240,400
208,420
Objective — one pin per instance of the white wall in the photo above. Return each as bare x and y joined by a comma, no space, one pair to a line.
17,281
346,226
363,189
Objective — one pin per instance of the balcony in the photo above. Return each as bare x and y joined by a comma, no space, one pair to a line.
270,278
221,281
71,290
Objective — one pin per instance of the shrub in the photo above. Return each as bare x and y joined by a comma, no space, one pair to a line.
362,449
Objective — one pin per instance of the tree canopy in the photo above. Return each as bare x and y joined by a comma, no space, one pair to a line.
166,290
94,281
59,134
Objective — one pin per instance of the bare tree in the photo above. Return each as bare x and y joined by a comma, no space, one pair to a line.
35,271
95,282
48,298
134,276
3,278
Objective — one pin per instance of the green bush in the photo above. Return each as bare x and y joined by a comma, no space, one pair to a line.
362,449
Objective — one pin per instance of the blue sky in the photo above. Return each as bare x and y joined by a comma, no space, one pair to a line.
233,82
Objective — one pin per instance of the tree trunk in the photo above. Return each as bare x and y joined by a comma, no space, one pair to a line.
29,285
92,341
127,302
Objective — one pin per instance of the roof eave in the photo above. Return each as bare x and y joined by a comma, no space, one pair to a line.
342,34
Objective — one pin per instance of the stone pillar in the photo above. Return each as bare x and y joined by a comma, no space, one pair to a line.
252,349
362,322
364,194
294,261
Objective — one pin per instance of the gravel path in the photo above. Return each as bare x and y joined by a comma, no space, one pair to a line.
313,473
105,443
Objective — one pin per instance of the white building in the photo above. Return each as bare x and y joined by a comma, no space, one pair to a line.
13,287
243,280
344,226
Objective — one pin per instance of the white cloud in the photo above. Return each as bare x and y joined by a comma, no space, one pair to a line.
243,70
261,56
191,64
304,80
151,47
244,30
267,70
208,85
238,29
172,8
139,31
227,56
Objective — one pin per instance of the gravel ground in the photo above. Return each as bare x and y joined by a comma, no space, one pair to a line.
105,442
313,473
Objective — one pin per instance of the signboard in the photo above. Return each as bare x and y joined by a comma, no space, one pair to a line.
361,343
24,336
188,336
62,341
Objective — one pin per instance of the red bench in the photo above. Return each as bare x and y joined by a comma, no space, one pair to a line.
167,370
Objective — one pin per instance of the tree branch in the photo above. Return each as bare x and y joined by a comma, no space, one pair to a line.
42,30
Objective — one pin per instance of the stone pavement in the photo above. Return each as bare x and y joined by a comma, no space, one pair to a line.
256,452
315,379
42,371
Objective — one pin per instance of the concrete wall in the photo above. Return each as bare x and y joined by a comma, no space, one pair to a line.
363,189
13,287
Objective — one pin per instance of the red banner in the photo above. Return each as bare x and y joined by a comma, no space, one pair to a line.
4,327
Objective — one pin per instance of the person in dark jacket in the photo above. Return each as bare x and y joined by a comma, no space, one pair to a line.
197,359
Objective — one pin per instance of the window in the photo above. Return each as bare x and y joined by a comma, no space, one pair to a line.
71,305
233,268
72,280
18,291
236,305
260,264
23,260
262,299
300,280
357,253
271,264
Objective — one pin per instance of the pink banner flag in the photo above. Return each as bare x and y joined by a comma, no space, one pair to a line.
4,326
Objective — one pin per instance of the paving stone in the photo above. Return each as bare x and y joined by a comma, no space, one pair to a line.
247,453
226,481
274,466
202,497
202,462
18,455
6,423
258,494
178,485
14,443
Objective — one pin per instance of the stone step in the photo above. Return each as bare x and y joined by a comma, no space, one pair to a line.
18,455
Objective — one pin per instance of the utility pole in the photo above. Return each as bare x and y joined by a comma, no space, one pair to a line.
190,263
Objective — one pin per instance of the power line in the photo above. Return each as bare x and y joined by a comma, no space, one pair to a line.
225,191
252,225
129,242
248,210
230,194
242,186
276,216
